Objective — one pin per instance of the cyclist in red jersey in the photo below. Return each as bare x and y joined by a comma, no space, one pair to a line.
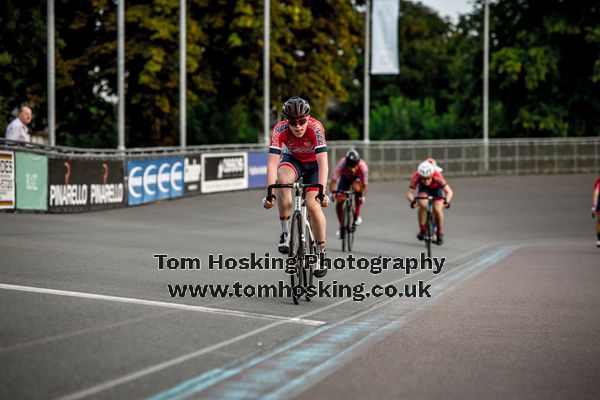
428,181
306,157
350,171
596,209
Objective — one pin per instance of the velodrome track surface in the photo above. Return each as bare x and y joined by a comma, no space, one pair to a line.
514,313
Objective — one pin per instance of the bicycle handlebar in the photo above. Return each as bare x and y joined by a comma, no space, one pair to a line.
345,191
429,198
303,186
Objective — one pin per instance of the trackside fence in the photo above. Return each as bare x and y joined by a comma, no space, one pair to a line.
63,179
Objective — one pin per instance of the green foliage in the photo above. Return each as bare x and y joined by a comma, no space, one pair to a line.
405,119
544,69
210,124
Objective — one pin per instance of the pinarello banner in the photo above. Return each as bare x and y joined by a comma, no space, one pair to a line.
84,185
155,179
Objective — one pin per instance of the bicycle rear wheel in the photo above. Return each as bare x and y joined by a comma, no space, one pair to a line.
296,252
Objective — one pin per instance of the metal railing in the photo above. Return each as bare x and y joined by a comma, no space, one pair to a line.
398,159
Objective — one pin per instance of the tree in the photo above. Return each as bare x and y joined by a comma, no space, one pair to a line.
549,55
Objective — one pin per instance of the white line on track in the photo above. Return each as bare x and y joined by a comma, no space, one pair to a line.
158,367
155,303
50,339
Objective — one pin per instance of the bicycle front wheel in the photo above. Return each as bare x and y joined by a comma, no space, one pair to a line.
352,226
429,234
347,229
311,249
296,252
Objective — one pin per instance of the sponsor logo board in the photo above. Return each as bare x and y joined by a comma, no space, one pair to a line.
155,179
257,169
7,180
32,181
224,171
82,185
192,171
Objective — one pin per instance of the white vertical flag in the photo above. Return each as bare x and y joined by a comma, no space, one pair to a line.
384,45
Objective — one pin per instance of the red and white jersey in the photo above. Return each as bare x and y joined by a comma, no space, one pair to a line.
437,181
361,171
303,149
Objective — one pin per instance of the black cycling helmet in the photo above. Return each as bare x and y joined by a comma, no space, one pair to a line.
352,158
295,107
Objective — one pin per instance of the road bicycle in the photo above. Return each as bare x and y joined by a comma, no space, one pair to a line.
429,224
303,247
349,223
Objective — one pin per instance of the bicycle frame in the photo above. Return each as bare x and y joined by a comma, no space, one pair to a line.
348,228
300,224
429,230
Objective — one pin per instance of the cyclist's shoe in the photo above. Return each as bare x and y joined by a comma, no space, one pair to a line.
321,271
597,243
284,243
421,235
338,233
440,239
358,221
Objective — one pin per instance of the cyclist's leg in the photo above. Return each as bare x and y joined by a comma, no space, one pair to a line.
422,214
287,172
438,213
423,191
310,174
357,188
343,184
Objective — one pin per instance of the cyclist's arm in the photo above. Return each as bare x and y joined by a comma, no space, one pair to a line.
449,193
332,185
323,168
595,199
272,164
410,195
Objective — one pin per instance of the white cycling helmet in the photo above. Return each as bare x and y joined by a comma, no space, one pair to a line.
432,161
425,169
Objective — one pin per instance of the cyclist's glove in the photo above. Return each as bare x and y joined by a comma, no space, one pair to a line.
413,204
322,198
266,202
446,204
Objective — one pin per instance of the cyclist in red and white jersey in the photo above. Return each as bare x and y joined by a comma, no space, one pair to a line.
428,181
350,171
306,157
596,209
